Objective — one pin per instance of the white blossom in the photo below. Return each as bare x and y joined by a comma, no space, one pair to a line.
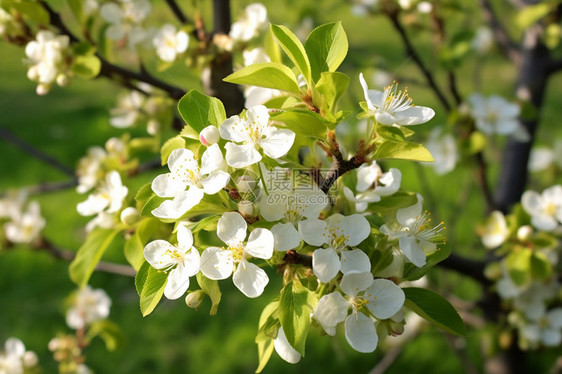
545,209
483,40
170,43
540,159
379,298
200,178
88,306
47,59
394,107
253,21
90,170
443,148
414,231
25,226
128,111
338,232
495,232
546,329
182,260
209,135
254,131
372,184
496,115
219,263
124,20
14,359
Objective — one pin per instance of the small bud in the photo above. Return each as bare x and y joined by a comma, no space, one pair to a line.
33,74
42,89
62,80
245,184
194,299
130,216
524,233
153,127
246,208
115,145
209,135
54,344
30,359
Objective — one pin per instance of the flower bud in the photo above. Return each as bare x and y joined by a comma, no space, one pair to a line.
209,135
30,359
115,145
246,208
42,89
245,184
153,127
524,233
32,73
130,216
62,80
194,299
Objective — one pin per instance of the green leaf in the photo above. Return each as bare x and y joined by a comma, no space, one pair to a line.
294,314
200,111
265,349
303,122
86,66
390,133
89,254
531,14
541,269
150,284
76,6
294,49
171,144
272,49
389,204
332,85
518,263
134,246
389,149
267,330
435,309
211,288
266,74
412,272
326,47
32,11
152,203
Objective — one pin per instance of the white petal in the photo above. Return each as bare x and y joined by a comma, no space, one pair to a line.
531,202
14,347
211,159
354,283
231,228
385,298
94,204
367,175
551,338
273,206
278,143
234,129
182,159
285,237
216,263
360,333
391,181
543,222
414,115
215,181
314,231
355,261
178,282
260,244
258,116
111,12
115,32
155,253
166,185
331,310
356,228
179,205
284,349
325,264
241,156
412,250
250,279
407,216
554,317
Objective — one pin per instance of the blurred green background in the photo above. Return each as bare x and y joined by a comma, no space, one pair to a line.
175,339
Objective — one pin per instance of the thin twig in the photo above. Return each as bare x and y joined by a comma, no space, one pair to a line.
506,44
37,153
51,187
180,15
483,182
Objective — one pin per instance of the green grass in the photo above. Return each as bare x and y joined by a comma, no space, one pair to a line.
175,339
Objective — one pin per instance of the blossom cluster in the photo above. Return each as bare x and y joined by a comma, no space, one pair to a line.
24,222
15,359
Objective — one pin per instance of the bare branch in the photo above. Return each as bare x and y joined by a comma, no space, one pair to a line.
51,187
37,153
506,44
180,15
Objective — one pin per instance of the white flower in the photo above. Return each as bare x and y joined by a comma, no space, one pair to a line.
90,169
108,198
209,135
252,132
284,349
250,24
443,148
183,259
424,7
545,209
483,40
495,231
185,172
12,202
372,184
128,111
15,359
546,330
415,234
219,263
124,20
169,43
88,306
392,107
540,159
379,298
25,226
495,115
338,232
46,56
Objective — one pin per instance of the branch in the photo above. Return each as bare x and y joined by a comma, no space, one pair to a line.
28,148
483,182
466,266
51,187
412,53
63,254
177,11
506,44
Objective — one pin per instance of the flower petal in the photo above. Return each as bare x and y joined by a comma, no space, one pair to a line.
178,282
216,263
285,237
414,115
360,333
211,159
179,205
325,264
234,129
284,349
278,143
241,156
356,228
385,298
331,310
155,253
215,181
231,228
250,279
354,283
407,216
260,244
167,185
355,261
412,250
314,231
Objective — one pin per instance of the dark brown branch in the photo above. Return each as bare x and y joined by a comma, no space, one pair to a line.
51,187
292,257
452,78
174,7
466,266
63,254
31,150
412,53
506,44
482,179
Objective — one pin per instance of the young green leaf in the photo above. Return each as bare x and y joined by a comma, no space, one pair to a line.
211,288
435,309
294,49
326,47
266,74
294,314
150,284
412,272
167,148
90,254
86,67
303,122
200,111
332,85
390,149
